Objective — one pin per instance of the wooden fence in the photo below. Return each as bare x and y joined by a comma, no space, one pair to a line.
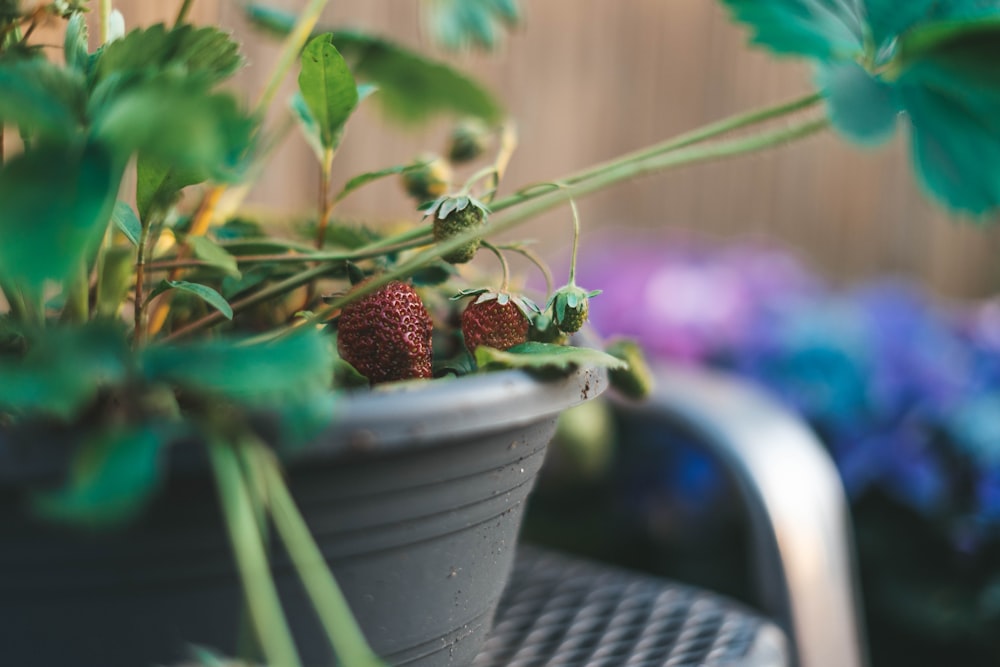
589,79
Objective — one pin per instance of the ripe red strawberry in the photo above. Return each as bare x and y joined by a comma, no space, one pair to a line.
494,321
386,335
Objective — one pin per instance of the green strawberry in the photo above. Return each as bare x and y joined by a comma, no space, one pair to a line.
454,216
429,181
386,335
468,140
570,307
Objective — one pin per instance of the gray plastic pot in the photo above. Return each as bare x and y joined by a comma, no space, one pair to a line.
415,497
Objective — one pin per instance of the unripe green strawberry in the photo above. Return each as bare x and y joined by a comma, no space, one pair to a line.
429,181
570,307
494,320
636,380
468,140
454,216
386,335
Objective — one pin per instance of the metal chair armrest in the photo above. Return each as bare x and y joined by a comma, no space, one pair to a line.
802,540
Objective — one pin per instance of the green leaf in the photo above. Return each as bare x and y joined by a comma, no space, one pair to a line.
541,356
204,55
126,222
114,475
75,43
63,371
174,122
862,107
950,86
411,87
116,279
328,88
46,237
158,185
268,374
209,251
309,125
821,29
203,292
41,97
458,23
366,178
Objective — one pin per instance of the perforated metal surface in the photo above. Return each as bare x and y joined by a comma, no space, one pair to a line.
559,611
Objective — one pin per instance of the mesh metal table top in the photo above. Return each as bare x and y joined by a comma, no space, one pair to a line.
559,611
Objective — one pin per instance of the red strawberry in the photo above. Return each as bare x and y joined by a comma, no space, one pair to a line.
386,335
494,321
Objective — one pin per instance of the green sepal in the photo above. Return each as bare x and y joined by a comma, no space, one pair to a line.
545,356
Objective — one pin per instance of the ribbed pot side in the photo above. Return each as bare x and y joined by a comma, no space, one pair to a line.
415,498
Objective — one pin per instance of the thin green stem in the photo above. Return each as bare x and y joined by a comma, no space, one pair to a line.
533,257
290,50
576,241
331,606
170,263
77,307
615,172
325,205
251,559
699,135
182,13
504,267
269,292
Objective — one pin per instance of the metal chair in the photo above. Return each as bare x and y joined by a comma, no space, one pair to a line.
563,613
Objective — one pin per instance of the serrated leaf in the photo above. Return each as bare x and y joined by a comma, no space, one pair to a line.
459,23
158,185
209,251
328,88
113,475
41,97
204,55
261,373
126,222
411,87
366,178
75,43
860,106
821,29
174,122
46,237
63,371
950,87
203,292
541,356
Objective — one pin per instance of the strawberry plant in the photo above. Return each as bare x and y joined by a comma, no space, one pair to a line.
135,318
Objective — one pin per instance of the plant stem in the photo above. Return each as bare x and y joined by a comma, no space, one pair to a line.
139,333
532,257
290,49
710,131
104,20
77,307
325,207
182,13
576,241
614,172
277,289
504,267
335,615
251,559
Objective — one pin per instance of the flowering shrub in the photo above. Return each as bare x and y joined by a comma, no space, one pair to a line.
904,392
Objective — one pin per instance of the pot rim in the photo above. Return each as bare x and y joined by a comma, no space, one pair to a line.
414,414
